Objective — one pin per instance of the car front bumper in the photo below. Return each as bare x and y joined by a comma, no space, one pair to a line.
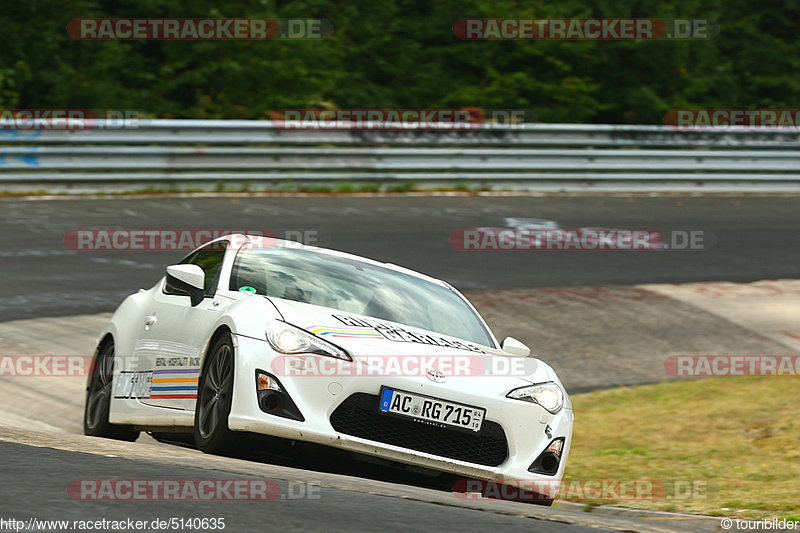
527,427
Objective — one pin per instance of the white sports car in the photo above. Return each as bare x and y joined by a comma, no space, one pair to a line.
257,335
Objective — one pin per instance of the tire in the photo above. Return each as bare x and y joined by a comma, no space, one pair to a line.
98,400
214,397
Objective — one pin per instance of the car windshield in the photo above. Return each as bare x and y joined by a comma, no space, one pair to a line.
356,287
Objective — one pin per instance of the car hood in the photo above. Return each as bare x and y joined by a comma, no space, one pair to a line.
366,338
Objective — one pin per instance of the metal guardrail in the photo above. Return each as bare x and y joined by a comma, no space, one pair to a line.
560,156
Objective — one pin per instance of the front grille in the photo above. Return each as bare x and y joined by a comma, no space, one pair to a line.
359,416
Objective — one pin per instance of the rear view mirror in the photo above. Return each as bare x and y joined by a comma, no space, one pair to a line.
189,278
515,347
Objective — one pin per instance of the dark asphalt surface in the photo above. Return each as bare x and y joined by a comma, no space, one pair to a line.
35,482
747,238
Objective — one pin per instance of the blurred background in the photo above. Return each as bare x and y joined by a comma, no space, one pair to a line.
402,54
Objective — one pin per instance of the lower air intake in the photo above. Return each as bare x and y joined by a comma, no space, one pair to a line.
359,416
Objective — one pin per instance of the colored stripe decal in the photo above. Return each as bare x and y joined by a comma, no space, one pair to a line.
178,371
333,331
174,388
173,397
342,332
175,380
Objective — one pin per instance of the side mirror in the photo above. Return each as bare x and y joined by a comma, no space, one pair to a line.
189,278
515,347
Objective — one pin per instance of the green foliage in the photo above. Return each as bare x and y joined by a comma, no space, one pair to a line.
401,54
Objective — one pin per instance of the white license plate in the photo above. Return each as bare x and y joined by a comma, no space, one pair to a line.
432,410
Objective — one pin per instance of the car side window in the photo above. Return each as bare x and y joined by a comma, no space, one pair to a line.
248,273
209,258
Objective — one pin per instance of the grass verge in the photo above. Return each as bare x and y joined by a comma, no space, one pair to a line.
721,446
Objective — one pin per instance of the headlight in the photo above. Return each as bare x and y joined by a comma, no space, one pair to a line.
289,339
548,395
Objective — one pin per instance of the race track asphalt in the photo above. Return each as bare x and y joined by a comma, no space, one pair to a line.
746,238
36,480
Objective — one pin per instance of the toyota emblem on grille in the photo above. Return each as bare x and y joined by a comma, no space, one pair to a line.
435,376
